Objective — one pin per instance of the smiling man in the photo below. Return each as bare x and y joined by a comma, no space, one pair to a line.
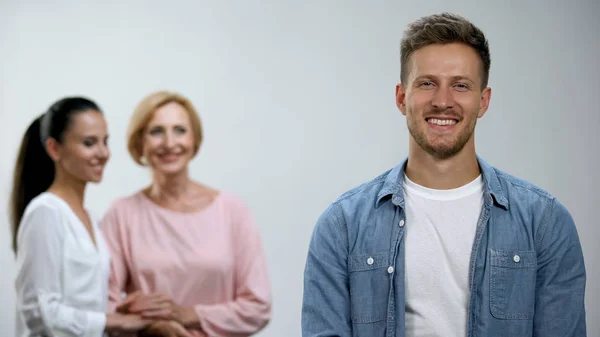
444,244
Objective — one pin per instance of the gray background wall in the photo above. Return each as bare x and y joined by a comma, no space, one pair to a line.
297,99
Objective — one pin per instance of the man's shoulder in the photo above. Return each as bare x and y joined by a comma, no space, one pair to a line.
360,198
518,189
346,212
531,200
367,190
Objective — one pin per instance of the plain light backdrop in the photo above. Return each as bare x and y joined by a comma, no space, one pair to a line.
297,101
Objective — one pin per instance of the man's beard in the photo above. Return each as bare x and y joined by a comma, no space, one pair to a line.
441,150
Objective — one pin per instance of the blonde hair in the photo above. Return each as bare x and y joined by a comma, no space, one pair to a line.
144,112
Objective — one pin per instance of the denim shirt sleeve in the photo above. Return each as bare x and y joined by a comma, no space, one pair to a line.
326,298
561,277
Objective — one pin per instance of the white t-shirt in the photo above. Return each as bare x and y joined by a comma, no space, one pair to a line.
62,278
439,233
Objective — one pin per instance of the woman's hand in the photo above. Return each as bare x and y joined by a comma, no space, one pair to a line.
123,307
167,329
127,322
158,306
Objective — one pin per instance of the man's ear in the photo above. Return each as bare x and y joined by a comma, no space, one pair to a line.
484,101
401,98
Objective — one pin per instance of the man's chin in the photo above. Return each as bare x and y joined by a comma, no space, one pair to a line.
442,151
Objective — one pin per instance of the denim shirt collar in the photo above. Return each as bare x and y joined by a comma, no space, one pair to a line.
395,179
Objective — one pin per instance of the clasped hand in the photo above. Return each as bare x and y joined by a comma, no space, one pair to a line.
169,319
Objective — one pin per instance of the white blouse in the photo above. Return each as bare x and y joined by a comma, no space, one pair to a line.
62,278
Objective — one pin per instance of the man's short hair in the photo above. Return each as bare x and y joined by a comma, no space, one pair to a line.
443,28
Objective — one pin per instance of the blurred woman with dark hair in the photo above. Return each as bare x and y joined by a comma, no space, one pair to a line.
63,262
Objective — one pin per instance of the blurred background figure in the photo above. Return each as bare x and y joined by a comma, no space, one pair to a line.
183,251
62,259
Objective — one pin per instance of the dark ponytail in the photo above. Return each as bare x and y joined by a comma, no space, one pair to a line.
34,169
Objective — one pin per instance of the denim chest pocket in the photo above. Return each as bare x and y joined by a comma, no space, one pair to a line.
369,287
512,284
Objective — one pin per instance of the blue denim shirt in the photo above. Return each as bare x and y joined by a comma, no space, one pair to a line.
354,274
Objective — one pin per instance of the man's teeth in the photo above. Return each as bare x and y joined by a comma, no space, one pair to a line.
441,121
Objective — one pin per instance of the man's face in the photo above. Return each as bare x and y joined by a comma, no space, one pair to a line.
442,98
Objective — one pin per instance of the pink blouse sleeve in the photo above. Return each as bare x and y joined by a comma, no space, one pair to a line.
251,310
118,268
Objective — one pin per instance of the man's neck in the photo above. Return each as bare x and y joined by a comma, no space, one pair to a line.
442,174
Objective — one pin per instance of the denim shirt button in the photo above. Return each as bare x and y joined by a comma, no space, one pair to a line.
390,269
517,258
370,261
401,224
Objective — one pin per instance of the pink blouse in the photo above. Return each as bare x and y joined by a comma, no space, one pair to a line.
211,260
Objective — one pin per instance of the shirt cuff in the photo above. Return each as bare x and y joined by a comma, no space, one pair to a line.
202,311
96,324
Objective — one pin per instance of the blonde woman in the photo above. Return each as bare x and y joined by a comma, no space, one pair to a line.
183,251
